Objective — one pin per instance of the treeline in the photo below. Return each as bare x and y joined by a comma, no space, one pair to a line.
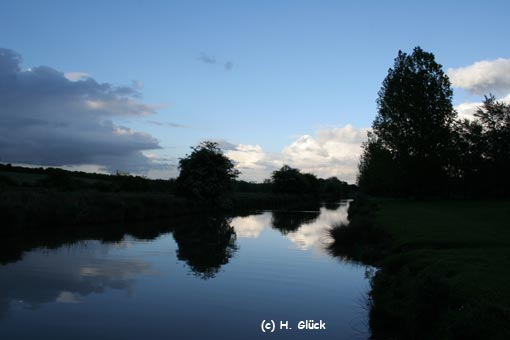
286,180
418,145
64,180
207,174
292,181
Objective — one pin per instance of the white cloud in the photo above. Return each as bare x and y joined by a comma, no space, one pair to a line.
75,76
248,156
468,110
483,77
333,152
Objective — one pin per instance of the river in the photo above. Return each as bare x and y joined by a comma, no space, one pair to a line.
236,277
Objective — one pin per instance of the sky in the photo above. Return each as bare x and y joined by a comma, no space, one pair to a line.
132,85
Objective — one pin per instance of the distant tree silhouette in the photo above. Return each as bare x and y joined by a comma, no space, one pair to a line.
312,184
206,173
244,186
288,180
413,128
291,181
335,188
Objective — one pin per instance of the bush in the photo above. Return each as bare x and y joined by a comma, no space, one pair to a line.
206,174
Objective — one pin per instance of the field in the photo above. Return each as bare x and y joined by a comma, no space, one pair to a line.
446,275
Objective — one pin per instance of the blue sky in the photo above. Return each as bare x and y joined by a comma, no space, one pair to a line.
296,67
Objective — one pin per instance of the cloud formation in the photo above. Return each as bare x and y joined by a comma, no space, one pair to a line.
170,124
208,59
53,118
333,152
483,77
75,76
228,65
251,226
316,234
468,110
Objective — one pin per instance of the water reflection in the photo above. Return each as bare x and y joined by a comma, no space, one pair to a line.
66,265
258,266
65,276
206,244
315,234
290,221
12,248
252,225
306,229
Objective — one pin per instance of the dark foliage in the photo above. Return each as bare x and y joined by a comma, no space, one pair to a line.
359,240
206,174
334,187
206,244
494,143
290,221
412,130
378,170
64,180
290,180
244,186
418,148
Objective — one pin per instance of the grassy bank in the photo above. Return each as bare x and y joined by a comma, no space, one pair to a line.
32,209
443,269
26,209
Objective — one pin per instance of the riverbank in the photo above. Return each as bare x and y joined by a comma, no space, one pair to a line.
443,267
31,209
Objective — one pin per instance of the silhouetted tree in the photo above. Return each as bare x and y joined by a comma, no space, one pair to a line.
494,118
206,173
469,168
378,173
333,188
311,184
288,180
243,186
414,123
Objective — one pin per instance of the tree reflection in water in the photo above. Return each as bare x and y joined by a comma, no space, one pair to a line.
290,221
205,244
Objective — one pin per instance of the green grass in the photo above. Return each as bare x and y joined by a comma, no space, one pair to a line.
450,224
447,273
21,178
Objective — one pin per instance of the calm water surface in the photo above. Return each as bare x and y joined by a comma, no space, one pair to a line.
189,283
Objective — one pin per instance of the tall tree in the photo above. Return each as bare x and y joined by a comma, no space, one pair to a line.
494,117
469,166
378,174
414,121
